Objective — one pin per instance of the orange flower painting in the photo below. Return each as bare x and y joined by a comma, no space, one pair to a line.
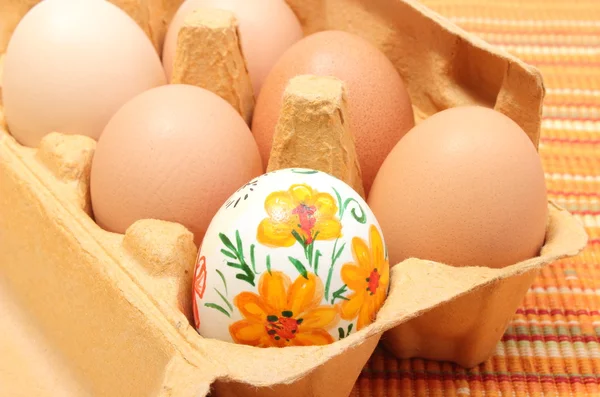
368,277
199,287
284,313
299,213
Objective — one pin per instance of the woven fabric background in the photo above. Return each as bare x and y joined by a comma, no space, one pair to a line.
552,346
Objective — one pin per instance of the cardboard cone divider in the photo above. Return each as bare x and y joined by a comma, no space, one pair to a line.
116,308
313,130
209,55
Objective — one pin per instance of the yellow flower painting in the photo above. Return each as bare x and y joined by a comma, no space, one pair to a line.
284,313
299,214
368,277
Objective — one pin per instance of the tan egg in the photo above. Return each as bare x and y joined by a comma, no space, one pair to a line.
379,107
267,29
173,153
465,187
70,65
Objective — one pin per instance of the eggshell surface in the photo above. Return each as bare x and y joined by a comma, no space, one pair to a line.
70,65
173,153
267,28
465,187
379,107
294,258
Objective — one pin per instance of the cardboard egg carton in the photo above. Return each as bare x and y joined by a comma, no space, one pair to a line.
115,310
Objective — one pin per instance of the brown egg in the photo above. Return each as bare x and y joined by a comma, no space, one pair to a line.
466,188
379,108
174,153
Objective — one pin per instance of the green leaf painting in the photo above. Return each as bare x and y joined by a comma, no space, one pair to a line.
235,253
299,266
358,213
339,294
225,300
362,218
335,255
223,279
316,265
253,258
304,171
217,307
343,334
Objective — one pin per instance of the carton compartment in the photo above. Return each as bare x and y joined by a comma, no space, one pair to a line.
109,308
116,308
454,68
483,79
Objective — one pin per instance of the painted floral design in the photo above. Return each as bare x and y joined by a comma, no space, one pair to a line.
299,214
199,287
242,193
287,276
284,313
368,278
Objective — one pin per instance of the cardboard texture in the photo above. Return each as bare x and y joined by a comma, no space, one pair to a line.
29,363
313,130
113,309
209,55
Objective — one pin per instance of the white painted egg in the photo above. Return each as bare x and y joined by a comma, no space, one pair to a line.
294,258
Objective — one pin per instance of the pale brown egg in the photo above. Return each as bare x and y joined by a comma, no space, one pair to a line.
379,107
465,187
267,28
173,153
70,65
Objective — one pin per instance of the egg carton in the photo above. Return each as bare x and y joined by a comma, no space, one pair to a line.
117,308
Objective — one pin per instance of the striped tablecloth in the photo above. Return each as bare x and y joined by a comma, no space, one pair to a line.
552,346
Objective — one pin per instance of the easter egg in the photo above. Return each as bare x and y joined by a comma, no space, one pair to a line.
294,258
